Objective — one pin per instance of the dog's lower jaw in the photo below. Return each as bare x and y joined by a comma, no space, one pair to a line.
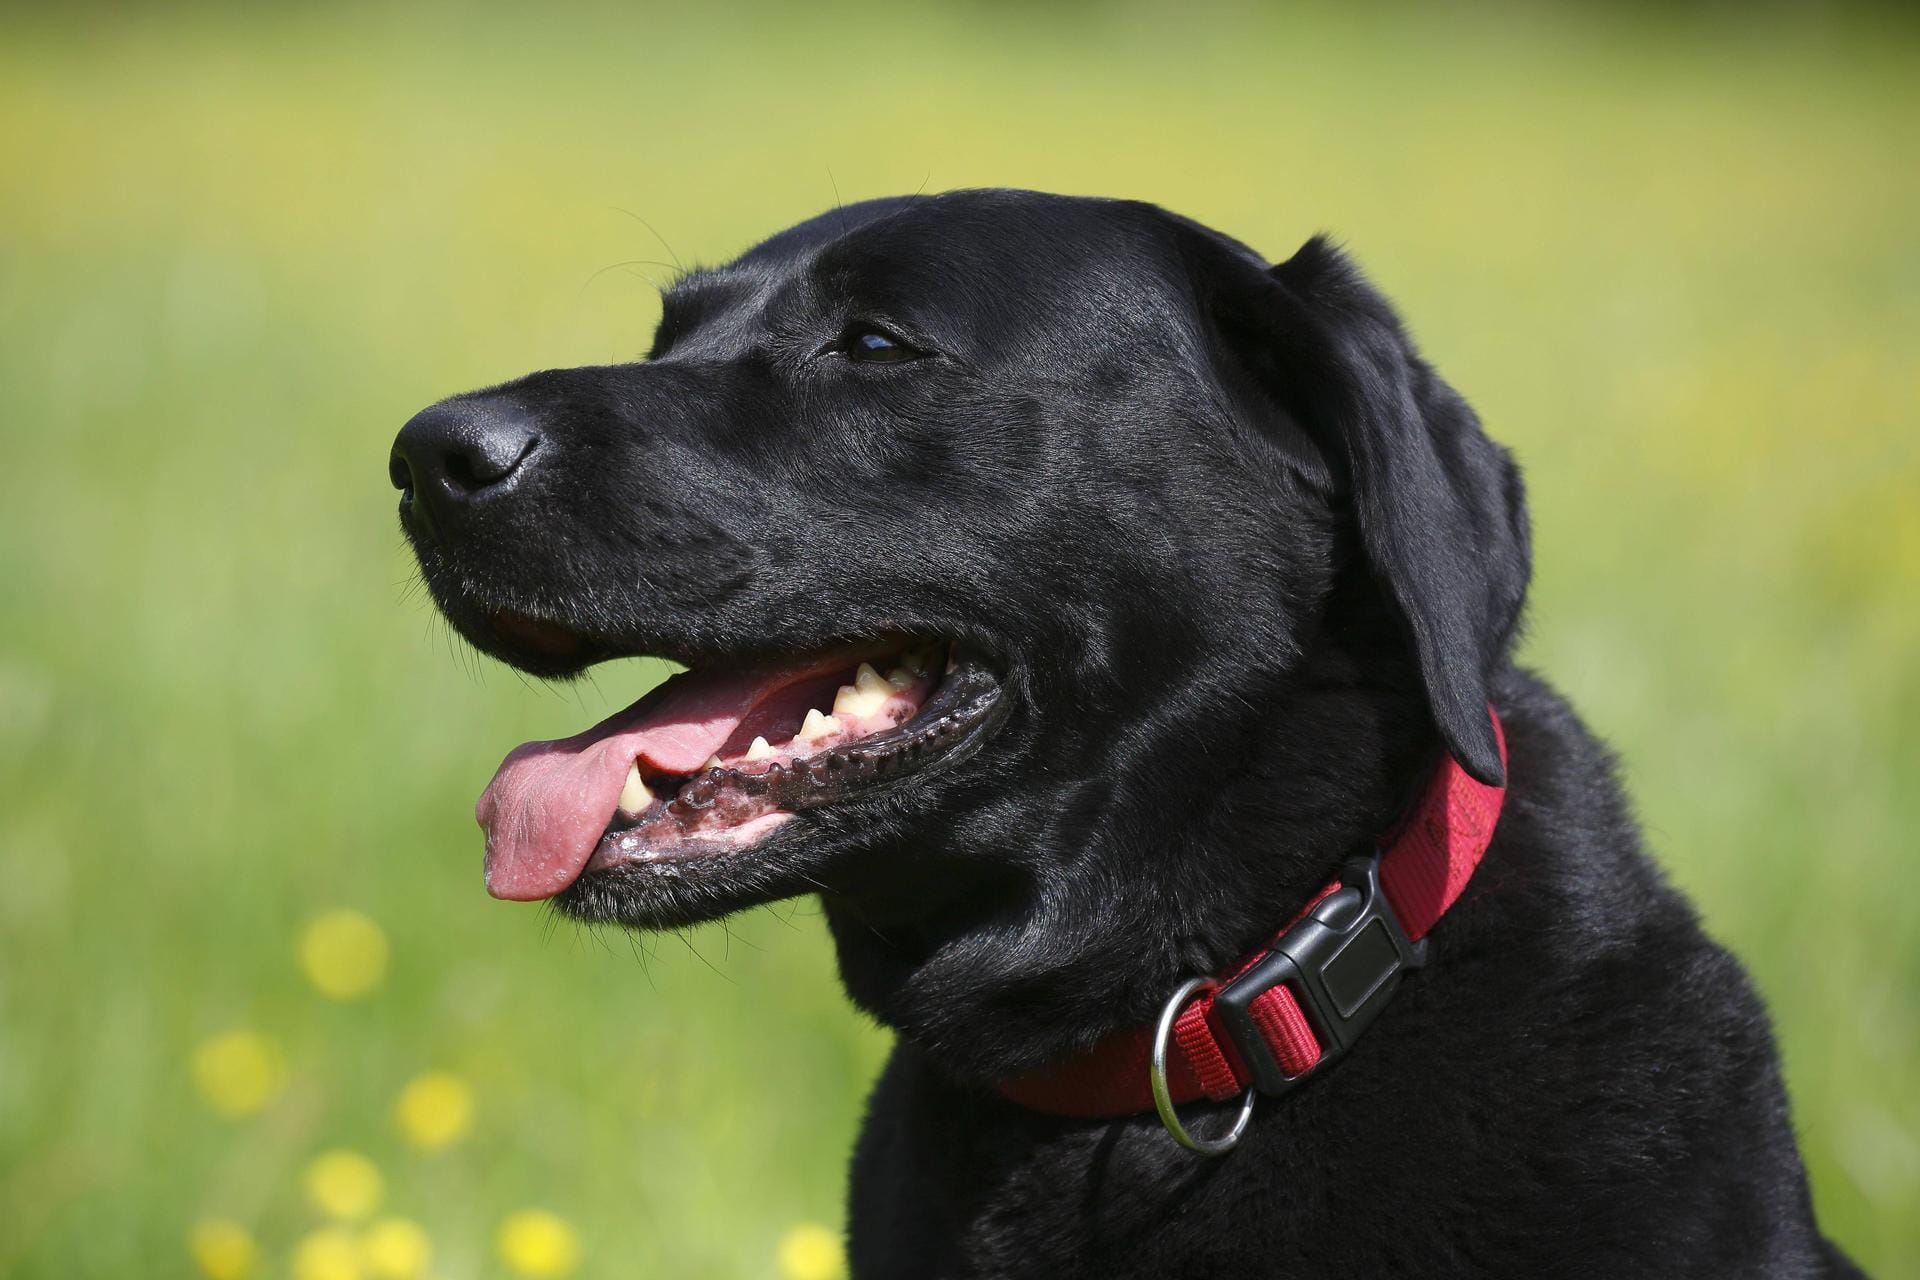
679,894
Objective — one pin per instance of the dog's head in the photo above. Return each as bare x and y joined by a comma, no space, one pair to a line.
1062,590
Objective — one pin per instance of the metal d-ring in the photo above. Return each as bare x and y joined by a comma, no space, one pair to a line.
1163,1096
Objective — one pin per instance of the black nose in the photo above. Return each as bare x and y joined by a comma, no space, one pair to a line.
457,452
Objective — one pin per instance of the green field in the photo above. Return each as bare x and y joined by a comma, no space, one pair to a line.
1674,262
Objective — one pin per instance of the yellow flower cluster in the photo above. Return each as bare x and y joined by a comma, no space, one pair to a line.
240,1072
344,955
389,1249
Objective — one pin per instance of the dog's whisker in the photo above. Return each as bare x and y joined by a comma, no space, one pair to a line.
677,265
686,936
626,267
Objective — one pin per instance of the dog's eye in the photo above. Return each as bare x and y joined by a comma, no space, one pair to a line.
869,344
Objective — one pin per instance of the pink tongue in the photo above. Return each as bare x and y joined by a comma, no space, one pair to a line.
549,802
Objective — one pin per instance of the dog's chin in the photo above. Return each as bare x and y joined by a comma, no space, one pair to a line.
506,625
745,780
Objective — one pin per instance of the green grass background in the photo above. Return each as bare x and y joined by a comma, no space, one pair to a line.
1672,259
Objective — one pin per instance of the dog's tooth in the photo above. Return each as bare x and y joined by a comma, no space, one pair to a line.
634,796
759,750
714,762
865,696
816,726
902,679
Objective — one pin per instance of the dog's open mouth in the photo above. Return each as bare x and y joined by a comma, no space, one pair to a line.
714,760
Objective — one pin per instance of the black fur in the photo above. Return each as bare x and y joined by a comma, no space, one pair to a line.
1246,566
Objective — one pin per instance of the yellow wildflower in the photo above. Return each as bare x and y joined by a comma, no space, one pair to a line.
537,1243
434,1110
811,1252
222,1250
344,954
344,1185
396,1249
239,1072
330,1253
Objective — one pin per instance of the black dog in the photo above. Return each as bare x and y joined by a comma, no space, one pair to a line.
1067,594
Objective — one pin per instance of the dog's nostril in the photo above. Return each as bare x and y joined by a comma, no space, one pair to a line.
460,469
471,468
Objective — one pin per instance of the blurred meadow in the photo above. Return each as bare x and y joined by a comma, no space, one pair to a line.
252,997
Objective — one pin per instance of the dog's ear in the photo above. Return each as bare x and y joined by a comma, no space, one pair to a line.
1439,506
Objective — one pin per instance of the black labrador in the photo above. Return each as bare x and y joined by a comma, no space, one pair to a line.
1066,594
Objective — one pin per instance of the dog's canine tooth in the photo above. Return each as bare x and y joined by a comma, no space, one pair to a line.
816,726
865,696
634,796
759,749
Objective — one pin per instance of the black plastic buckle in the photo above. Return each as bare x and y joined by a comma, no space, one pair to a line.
1343,960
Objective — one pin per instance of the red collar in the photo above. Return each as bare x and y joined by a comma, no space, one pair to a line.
1274,1017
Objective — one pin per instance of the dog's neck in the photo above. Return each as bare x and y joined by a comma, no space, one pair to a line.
1015,974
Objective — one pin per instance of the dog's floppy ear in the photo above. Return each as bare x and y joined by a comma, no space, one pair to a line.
1439,506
